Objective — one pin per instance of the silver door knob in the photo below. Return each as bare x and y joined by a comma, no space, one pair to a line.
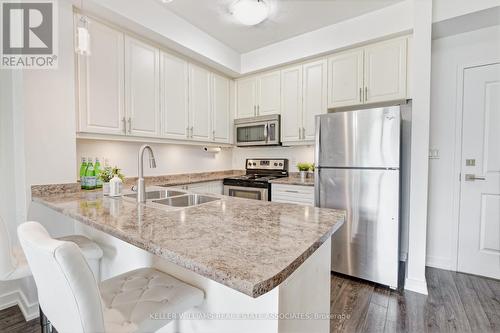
471,178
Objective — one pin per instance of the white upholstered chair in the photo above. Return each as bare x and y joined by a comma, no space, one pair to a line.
73,301
13,264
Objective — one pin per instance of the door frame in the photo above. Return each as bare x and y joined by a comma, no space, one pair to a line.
457,155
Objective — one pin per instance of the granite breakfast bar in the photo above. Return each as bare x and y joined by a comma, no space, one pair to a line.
253,259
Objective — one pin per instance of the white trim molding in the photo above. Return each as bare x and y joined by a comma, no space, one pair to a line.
440,262
418,286
17,297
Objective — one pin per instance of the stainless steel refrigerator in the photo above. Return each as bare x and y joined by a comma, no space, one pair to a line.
357,158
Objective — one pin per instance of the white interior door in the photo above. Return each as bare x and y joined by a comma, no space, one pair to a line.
142,88
479,231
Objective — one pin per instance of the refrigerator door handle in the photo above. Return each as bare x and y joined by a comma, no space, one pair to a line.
317,140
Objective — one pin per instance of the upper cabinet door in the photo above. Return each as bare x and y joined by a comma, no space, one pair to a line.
246,97
199,103
385,71
142,87
220,108
174,96
291,104
269,92
100,82
314,96
345,79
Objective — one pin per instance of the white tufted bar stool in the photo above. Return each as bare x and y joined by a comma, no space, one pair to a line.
74,303
13,265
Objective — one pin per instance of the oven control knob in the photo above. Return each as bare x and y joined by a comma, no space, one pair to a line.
275,164
281,164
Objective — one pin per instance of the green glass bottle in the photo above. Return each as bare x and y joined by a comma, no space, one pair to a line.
83,169
97,171
90,176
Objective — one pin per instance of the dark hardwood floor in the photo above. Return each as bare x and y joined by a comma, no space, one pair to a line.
456,303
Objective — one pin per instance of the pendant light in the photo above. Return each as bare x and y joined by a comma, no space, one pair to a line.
82,35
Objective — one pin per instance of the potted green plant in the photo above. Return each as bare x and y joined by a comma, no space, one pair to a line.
106,174
304,169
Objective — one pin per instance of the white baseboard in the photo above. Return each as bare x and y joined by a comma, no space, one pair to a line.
440,262
417,286
17,297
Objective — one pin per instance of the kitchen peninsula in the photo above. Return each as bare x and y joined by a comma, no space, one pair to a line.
269,260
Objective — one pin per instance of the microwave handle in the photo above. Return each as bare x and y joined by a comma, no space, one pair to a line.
266,132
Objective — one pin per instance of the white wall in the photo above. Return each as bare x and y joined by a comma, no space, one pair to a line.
448,54
170,159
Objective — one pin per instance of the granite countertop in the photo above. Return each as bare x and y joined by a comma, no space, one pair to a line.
248,245
294,179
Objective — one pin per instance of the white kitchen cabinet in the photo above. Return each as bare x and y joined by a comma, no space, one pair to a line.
174,96
314,96
296,194
291,100
246,91
268,93
101,82
345,79
259,95
142,88
303,96
220,109
372,74
199,103
385,71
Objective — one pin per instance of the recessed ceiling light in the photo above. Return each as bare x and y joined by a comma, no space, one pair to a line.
167,1
250,12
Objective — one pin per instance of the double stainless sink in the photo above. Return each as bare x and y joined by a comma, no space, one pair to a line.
174,198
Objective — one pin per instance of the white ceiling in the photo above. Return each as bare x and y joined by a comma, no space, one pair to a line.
288,18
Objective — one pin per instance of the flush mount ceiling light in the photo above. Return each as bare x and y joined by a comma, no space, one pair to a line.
250,12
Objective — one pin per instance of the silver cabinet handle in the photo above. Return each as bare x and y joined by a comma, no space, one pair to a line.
129,125
300,133
213,134
124,125
360,94
303,133
471,178
187,132
290,191
258,109
366,93
192,131
254,110
266,132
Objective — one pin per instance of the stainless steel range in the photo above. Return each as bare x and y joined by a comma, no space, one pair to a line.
255,183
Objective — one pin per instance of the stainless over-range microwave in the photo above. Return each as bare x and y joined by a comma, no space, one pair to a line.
258,131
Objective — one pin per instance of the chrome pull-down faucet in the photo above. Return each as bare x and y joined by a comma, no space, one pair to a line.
141,187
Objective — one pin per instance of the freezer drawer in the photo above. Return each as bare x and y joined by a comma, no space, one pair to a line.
365,138
367,245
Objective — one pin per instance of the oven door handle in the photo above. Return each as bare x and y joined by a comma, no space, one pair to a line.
266,132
